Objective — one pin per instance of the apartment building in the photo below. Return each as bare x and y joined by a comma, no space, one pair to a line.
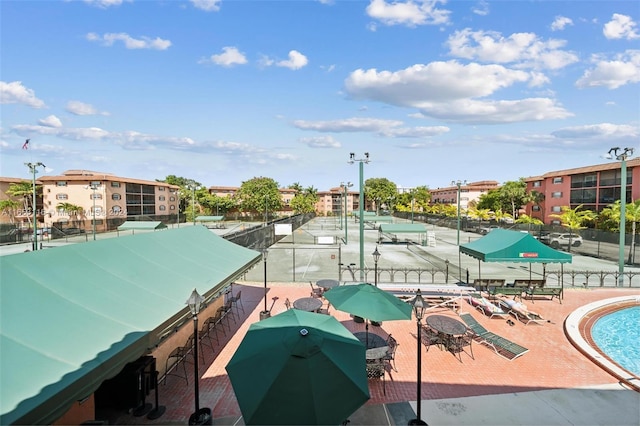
108,199
594,187
333,202
469,193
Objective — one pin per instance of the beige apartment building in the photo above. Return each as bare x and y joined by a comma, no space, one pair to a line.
108,199
469,193
335,202
594,187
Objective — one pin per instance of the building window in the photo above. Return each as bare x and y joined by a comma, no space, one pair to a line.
172,207
116,196
556,195
557,180
95,183
96,196
537,184
556,209
172,198
61,183
555,222
161,188
161,198
62,197
162,208
116,209
115,184
535,208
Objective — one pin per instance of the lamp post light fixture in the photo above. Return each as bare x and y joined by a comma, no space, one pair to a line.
33,169
346,187
622,157
418,310
265,313
362,161
458,184
94,186
376,257
195,303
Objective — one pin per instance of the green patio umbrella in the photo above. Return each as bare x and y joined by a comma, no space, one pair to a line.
299,368
369,302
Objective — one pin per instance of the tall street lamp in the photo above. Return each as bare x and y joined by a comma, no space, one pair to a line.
622,157
94,186
265,313
33,169
195,302
346,187
362,161
178,217
376,257
459,183
193,201
418,309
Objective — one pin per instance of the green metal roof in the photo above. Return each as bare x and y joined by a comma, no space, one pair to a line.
402,228
141,225
378,218
501,245
209,218
73,316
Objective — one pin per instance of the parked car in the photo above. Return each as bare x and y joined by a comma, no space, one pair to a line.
557,240
484,230
73,231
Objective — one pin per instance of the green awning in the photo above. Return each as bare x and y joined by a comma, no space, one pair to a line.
141,225
501,245
73,316
378,218
209,218
402,228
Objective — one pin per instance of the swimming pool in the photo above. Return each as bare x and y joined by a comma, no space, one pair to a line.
617,335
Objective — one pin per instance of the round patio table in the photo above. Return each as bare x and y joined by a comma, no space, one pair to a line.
446,325
372,340
309,304
327,284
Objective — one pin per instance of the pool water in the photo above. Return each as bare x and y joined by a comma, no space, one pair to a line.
618,335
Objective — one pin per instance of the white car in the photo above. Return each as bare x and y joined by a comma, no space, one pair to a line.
557,240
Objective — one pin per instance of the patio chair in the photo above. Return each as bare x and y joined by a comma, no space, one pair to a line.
430,337
175,359
459,343
521,313
316,291
205,333
324,309
500,345
377,370
235,300
390,357
486,307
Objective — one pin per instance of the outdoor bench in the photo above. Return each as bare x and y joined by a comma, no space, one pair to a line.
540,289
515,290
483,284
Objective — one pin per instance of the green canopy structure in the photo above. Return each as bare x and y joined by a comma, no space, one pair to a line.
141,225
299,368
501,245
391,230
209,218
74,316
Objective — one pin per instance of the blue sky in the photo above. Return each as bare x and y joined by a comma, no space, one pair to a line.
224,91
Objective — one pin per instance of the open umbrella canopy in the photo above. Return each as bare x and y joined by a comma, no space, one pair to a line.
367,301
299,368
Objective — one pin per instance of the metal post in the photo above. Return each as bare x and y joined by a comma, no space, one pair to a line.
178,218
195,362
412,199
458,184
361,218
93,188
193,204
623,224
33,169
418,307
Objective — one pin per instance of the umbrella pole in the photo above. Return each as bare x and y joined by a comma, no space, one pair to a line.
366,333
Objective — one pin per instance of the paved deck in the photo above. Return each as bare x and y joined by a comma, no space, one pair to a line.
553,383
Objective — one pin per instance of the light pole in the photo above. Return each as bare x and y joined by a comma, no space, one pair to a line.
418,309
266,209
362,161
346,208
622,157
459,183
412,200
94,186
265,313
33,168
376,257
195,302
192,187
178,218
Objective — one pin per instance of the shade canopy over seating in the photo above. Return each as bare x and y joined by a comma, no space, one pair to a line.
141,225
74,316
501,245
209,218
403,228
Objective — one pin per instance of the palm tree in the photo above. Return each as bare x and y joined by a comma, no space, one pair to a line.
537,198
8,208
70,210
574,219
611,215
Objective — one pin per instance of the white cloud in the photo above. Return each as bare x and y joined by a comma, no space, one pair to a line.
386,128
81,108
321,142
104,3
599,131
482,8
296,61
50,121
525,50
620,26
207,5
612,74
414,132
410,13
229,57
108,39
560,22
16,93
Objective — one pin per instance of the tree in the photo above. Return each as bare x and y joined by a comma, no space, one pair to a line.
528,220
305,199
23,190
514,193
611,218
574,219
8,207
536,198
381,191
71,210
259,194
